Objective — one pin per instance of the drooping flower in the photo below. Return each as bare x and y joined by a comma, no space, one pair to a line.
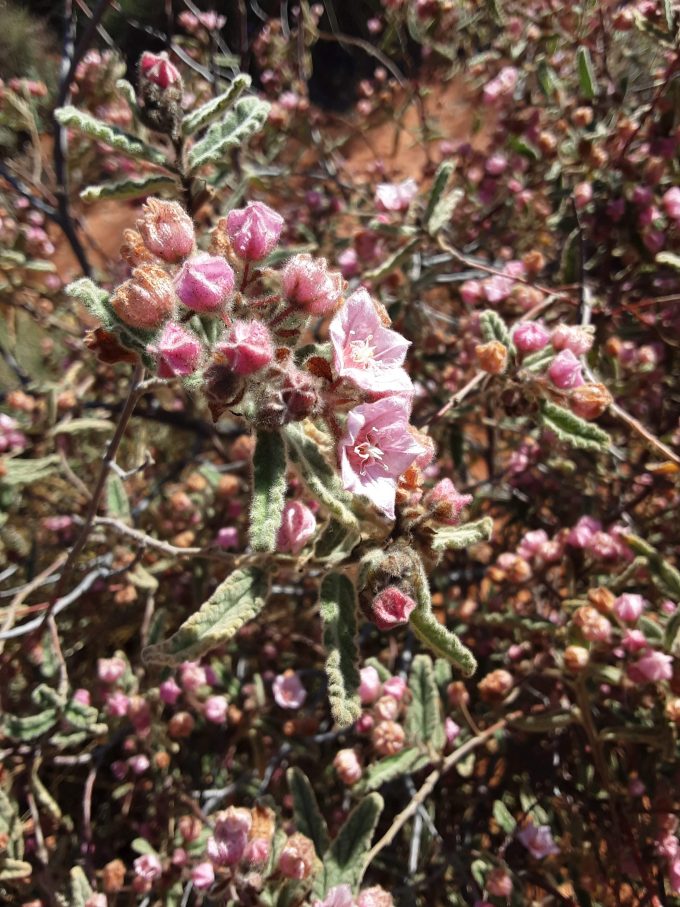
365,351
390,608
538,840
298,525
254,231
396,196
376,449
167,230
289,693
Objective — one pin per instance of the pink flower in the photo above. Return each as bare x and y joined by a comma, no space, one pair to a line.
395,196
215,709
446,502
501,86
338,896
203,875
170,691
82,696
390,608
671,203
496,164
395,687
565,370
471,291
289,693
139,763
148,867
205,282
117,704
167,230
109,670
158,69
178,350
246,346
538,840
254,231
347,766
452,730
370,685
651,667
634,641
309,285
629,607
581,534
376,449
530,336
376,896
193,676
298,525
257,851
10,436
571,337
365,351
531,543
227,537
583,194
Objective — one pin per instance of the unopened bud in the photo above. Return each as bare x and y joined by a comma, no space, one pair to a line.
167,230
492,356
589,400
576,658
205,282
388,738
246,346
495,686
565,371
158,69
347,766
145,301
254,231
390,608
297,857
298,525
309,285
178,350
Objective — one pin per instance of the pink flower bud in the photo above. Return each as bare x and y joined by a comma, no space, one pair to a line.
227,537
254,231
349,263
634,641
496,164
390,608
395,687
446,502
370,685
139,764
347,766
167,230
297,857
246,346
205,282
365,723
629,607
288,691
386,708
203,875
530,336
582,533
651,667
82,696
375,896
309,285
671,202
109,670
192,676
531,542
565,370
117,704
178,350
257,851
388,738
158,69
583,194
471,291
145,301
395,196
233,821
298,525
215,709
148,867
170,691
570,337
452,731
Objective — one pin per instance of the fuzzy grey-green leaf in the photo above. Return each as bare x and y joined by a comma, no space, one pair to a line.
306,812
338,614
209,111
458,537
269,490
132,187
572,429
345,862
378,773
81,889
424,722
116,138
247,117
493,327
237,600
586,73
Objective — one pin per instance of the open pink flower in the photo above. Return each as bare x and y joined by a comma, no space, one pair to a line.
376,449
538,840
289,693
365,351
396,196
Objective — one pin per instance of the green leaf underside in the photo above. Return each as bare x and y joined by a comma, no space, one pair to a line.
345,862
320,477
458,537
424,722
209,111
247,118
407,761
116,138
338,614
306,812
573,430
269,490
237,600
586,74
128,188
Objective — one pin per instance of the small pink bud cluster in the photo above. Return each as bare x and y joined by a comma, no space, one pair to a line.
11,438
298,525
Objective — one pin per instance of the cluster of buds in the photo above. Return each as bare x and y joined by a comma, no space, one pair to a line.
160,93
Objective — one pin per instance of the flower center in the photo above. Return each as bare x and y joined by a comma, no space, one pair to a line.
370,455
362,351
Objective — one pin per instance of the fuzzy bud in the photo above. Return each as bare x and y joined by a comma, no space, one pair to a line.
178,350
576,658
388,738
565,371
246,346
386,708
567,337
375,897
492,356
254,231
629,607
390,608
593,625
205,282
530,336
589,401
167,230
298,525
145,301
309,285
495,686
446,502
109,670
347,766
297,857
395,687
157,69
370,685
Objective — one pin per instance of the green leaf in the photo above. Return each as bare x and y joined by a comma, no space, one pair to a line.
74,426
424,722
504,817
546,78
345,862
439,183
11,827
458,537
493,327
29,727
573,430
206,113
117,503
92,297
442,672
440,207
570,259
444,211
409,760
142,847
338,613
586,74
116,138
336,542
427,628
25,472
128,92
269,490
668,258
319,476
306,812
81,716
132,187
247,118
391,262
237,600
14,869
